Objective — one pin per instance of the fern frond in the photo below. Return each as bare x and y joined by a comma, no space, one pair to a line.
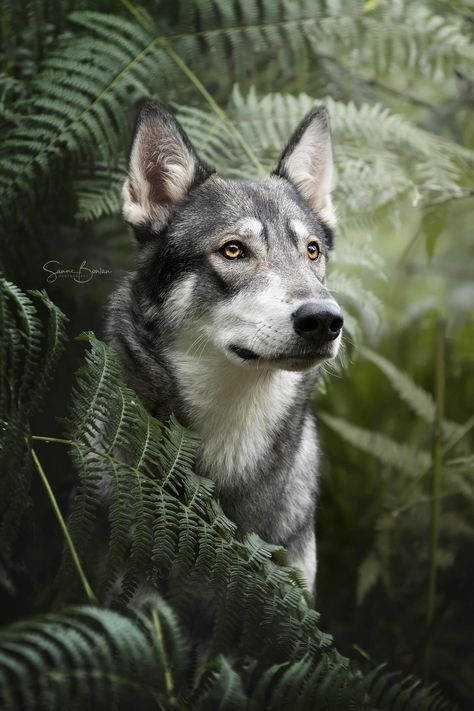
55,343
220,687
27,27
388,691
374,149
393,454
99,195
415,397
331,684
27,362
375,153
238,32
84,88
81,95
396,36
98,656
94,658
351,290
307,685
414,37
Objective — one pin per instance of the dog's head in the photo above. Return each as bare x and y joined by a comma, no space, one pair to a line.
233,266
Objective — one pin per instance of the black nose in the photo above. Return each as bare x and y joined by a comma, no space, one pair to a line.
318,322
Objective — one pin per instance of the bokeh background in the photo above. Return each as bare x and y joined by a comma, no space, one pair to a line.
397,78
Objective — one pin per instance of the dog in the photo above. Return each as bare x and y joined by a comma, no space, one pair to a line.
227,318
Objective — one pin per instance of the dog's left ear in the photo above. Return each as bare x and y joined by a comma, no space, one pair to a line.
163,168
307,163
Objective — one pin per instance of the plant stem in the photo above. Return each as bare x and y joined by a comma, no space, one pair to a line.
436,485
213,104
80,571
57,440
161,646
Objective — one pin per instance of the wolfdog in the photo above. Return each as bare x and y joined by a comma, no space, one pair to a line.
227,318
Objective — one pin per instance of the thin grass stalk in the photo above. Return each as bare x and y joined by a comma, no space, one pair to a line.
62,523
168,677
437,456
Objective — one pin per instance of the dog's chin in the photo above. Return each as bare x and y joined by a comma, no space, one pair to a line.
294,362
297,365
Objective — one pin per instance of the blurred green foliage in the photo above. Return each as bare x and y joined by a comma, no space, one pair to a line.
398,81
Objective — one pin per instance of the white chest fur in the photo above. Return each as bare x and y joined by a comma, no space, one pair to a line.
236,410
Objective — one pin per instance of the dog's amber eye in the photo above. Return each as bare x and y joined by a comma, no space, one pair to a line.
232,250
313,250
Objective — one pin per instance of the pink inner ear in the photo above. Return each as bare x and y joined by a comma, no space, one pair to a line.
309,166
155,175
154,167
163,166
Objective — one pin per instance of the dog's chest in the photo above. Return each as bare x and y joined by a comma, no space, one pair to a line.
237,413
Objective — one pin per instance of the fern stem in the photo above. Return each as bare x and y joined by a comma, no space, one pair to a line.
133,10
167,672
80,571
213,104
436,485
58,440
197,83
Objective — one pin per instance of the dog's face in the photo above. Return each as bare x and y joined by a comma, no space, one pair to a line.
236,268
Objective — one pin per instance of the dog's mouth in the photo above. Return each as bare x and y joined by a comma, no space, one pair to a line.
246,354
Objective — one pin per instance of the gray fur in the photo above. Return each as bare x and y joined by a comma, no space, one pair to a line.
183,319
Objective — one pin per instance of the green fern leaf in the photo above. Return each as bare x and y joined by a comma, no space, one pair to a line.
99,195
416,398
27,362
97,656
81,95
220,688
393,454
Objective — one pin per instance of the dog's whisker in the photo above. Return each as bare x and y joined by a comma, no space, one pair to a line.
203,348
239,318
195,342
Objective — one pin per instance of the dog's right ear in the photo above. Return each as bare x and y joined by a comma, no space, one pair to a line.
307,163
163,167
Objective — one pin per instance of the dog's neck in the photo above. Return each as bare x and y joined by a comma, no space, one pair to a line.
238,411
